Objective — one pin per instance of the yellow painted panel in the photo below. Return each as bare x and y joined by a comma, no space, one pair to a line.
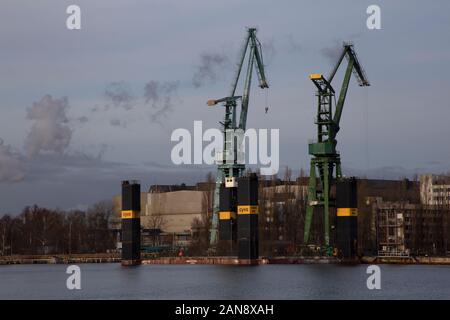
130,214
227,215
347,212
248,209
315,76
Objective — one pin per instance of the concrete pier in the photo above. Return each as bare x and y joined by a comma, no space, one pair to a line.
148,260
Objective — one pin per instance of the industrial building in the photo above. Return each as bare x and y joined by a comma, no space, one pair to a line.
415,222
405,229
391,228
435,190
167,214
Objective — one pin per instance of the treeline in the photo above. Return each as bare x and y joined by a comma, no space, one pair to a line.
40,230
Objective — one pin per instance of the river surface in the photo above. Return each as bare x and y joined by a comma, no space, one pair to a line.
111,281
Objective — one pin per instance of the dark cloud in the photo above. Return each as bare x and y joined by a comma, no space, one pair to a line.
269,51
99,108
83,119
103,149
116,122
49,131
12,164
294,45
160,114
161,96
152,92
119,95
210,67
213,66
332,52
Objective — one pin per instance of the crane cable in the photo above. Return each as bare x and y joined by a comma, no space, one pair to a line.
366,124
266,100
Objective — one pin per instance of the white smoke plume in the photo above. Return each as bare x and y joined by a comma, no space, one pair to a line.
49,131
12,165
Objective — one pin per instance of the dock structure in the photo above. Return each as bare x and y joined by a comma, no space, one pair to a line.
131,223
248,239
347,217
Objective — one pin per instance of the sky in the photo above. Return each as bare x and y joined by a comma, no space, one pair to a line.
81,110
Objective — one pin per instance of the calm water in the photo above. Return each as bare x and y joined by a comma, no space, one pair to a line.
111,281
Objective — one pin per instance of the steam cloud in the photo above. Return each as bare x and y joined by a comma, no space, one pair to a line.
12,166
209,68
50,131
160,96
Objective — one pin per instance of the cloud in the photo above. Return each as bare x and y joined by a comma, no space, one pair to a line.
155,92
119,95
49,131
209,69
86,180
50,135
294,45
332,52
116,123
161,97
73,165
83,119
268,51
98,108
213,66
12,165
103,149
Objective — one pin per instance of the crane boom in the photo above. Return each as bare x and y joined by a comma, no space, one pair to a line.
352,66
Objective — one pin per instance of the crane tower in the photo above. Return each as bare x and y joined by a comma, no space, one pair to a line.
229,169
325,169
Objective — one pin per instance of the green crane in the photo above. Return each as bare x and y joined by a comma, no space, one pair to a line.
228,167
325,162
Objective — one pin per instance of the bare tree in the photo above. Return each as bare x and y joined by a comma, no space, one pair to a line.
5,228
156,222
